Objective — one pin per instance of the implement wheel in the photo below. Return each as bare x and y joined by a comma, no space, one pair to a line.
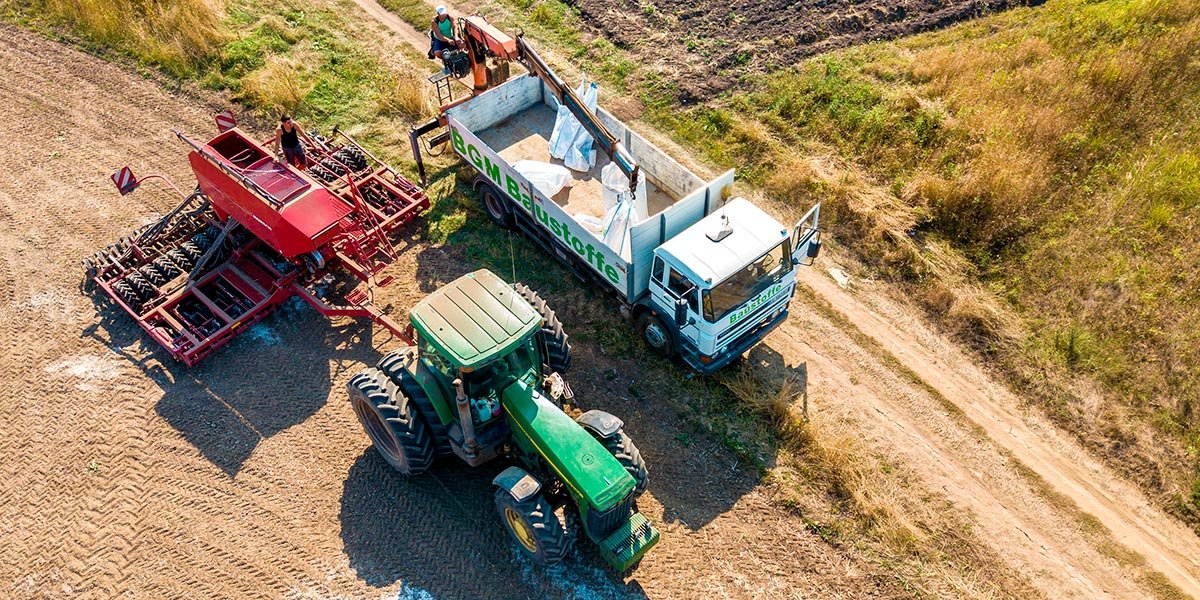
537,530
399,435
495,206
552,335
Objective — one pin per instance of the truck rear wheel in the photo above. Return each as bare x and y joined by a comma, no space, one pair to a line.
558,349
536,528
495,206
656,335
400,436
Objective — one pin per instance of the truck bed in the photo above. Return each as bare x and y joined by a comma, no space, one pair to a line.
526,136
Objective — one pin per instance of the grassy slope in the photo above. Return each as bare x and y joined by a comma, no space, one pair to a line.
1056,149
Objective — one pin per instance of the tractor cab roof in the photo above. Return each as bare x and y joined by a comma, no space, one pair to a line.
475,319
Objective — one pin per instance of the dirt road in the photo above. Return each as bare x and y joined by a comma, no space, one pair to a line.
1168,545
124,473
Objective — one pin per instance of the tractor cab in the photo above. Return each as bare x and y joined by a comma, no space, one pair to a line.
477,333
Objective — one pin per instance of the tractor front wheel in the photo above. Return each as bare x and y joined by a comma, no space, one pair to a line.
621,447
399,435
536,528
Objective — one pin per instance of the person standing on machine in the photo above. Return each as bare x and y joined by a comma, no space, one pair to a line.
441,33
288,136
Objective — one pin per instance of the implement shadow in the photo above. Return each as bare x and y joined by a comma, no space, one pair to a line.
271,377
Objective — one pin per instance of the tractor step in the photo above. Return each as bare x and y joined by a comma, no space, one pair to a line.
626,545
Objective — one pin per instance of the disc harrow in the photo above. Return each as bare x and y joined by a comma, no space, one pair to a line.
233,249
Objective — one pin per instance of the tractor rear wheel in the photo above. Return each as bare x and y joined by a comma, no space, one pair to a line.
558,349
621,447
536,528
400,436
495,206
395,366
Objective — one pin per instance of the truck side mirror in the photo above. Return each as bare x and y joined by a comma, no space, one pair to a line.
681,306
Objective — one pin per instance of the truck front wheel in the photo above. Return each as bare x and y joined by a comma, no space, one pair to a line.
656,335
536,529
495,206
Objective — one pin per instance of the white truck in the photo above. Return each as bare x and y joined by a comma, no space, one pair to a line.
703,276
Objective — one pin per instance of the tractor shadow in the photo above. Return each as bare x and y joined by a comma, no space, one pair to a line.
439,533
271,377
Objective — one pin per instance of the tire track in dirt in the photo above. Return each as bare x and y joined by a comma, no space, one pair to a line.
849,385
1167,545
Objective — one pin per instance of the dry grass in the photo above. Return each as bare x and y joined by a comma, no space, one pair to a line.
279,86
175,34
1055,149
407,96
930,545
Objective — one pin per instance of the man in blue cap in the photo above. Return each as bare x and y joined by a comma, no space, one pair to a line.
442,33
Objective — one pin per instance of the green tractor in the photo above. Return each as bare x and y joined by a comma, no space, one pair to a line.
484,382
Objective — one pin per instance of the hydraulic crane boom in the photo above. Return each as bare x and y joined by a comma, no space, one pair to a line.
484,41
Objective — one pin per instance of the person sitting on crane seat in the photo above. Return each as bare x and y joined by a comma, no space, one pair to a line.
441,33
288,136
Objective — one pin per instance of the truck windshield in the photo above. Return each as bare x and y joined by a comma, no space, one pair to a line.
747,283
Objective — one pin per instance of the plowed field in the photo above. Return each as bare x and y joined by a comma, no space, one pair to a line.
712,43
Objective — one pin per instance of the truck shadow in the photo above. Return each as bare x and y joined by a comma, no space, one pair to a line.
438,533
273,376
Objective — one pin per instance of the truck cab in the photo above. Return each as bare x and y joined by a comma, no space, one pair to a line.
722,284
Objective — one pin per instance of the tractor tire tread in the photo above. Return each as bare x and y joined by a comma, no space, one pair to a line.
621,446
395,366
555,338
410,431
555,537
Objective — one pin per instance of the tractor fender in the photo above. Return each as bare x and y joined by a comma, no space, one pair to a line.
600,423
518,483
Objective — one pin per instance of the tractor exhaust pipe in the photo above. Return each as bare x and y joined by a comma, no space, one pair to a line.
464,417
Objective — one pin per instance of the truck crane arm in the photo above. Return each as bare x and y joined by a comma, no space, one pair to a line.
484,40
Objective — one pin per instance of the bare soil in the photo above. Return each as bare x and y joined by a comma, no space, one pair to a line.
124,473
712,44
